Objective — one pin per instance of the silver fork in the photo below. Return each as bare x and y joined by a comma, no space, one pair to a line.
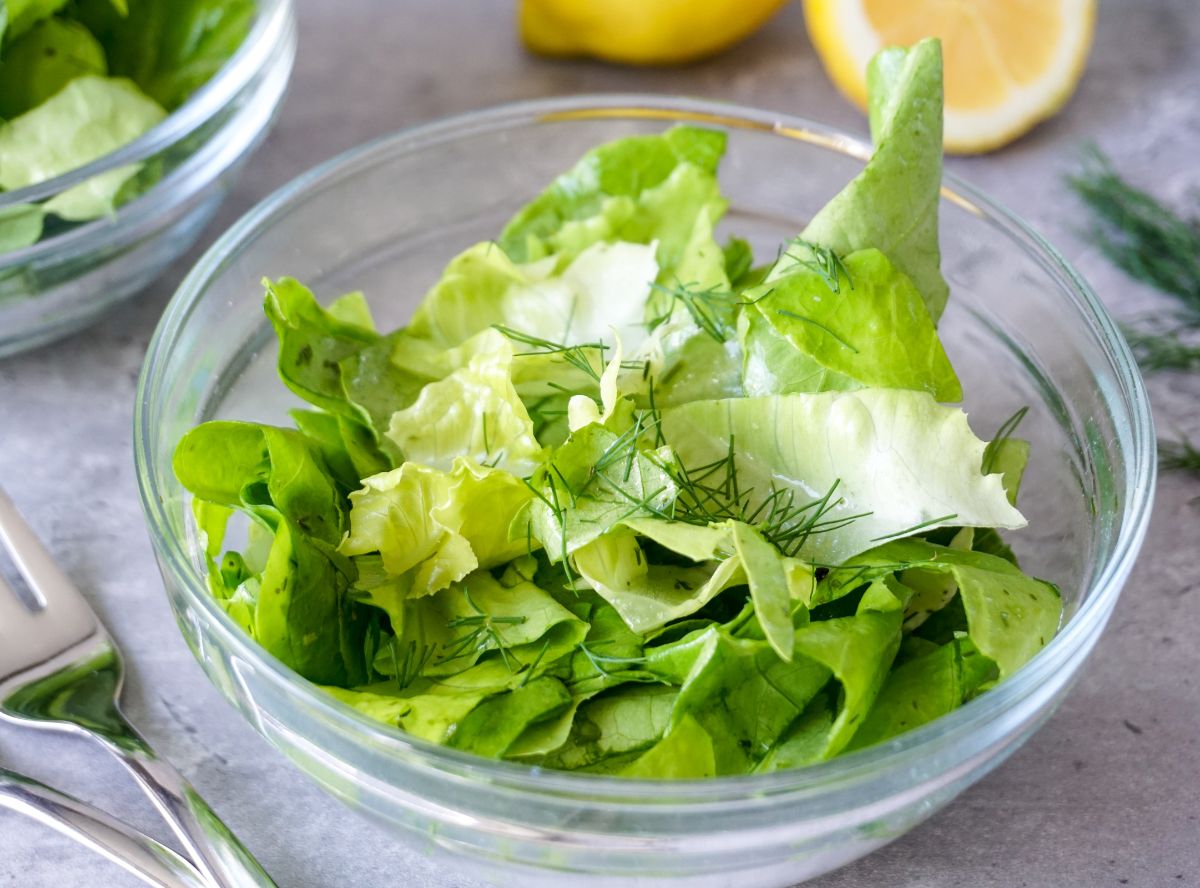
147,859
60,670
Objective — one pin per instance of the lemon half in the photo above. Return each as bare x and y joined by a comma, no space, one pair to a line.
1008,63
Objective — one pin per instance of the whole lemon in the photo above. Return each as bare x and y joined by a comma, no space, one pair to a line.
641,32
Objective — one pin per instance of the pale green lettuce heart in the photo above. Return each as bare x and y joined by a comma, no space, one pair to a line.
432,528
641,188
475,412
603,288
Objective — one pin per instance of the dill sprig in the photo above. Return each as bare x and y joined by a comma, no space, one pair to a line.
599,660
815,323
481,634
712,493
1156,245
1006,430
820,260
711,307
531,669
1172,348
578,356
1140,234
1181,454
408,668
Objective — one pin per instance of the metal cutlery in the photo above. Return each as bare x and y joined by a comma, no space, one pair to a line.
60,670
150,861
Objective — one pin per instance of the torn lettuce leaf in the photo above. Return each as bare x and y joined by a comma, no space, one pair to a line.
892,461
170,49
866,327
892,205
602,289
88,118
639,189
474,412
20,226
1010,616
45,59
593,482
432,528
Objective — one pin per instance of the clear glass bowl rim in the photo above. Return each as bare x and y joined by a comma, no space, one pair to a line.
863,765
272,25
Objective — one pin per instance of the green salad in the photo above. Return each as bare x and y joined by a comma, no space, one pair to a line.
619,499
81,78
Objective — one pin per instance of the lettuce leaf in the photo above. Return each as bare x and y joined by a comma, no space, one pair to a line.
892,205
648,596
915,692
303,612
869,328
497,723
639,189
604,287
743,695
18,16
592,483
20,226
90,117
475,412
894,460
432,528
1010,616
52,54
170,49
619,723
481,615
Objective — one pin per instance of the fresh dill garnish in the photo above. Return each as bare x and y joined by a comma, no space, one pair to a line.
532,667
578,356
1155,245
712,493
822,261
909,531
799,317
482,634
408,668
711,308
1006,430
597,660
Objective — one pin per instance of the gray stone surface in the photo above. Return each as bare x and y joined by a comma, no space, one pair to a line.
1106,794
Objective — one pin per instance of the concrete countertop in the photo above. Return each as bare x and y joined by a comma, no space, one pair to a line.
1106,794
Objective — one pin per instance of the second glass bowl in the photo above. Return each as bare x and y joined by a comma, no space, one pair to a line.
66,280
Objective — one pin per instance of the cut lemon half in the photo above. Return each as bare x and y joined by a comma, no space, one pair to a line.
1008,63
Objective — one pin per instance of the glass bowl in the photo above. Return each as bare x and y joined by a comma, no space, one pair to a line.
67,279
1022,328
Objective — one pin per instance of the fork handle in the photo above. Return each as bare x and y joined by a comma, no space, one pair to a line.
145,858
211,845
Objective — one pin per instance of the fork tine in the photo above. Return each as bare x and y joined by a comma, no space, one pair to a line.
12,609
47,580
